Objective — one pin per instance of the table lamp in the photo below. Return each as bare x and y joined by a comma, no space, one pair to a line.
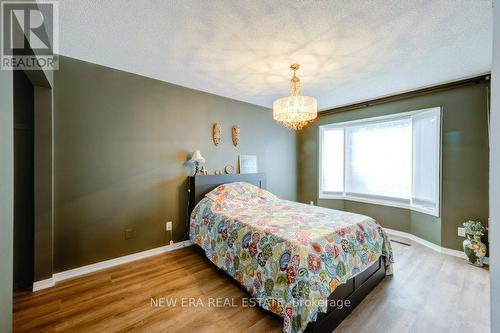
197,160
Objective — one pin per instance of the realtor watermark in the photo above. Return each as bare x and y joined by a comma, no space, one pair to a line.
30,35
227,302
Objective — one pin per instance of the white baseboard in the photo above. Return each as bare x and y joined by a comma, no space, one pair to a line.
43,284
61,276
433,246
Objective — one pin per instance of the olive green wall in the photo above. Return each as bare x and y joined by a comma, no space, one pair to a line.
464,164
120,144
44,200
6,198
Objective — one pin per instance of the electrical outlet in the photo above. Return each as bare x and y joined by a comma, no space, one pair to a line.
129,233
168,225
461,232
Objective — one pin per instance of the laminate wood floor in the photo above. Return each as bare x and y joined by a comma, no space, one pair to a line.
429,292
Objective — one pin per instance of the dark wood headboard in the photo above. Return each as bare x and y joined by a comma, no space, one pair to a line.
201,185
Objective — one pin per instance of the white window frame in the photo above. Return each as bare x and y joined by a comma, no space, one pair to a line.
380,200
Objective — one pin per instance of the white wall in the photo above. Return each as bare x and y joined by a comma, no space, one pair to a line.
495,177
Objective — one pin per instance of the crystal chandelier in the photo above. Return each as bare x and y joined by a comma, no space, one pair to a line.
295,111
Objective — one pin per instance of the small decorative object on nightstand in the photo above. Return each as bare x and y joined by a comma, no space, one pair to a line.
203,171
474,249
197,160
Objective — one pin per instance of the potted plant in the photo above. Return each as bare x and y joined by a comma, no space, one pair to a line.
474,249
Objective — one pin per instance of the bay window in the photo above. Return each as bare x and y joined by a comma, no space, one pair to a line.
391,160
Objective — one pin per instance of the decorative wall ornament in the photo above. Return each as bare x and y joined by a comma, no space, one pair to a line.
216,129
229,169
235,134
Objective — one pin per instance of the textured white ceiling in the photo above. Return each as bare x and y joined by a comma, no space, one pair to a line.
349,51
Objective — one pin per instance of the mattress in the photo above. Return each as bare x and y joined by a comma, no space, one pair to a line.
289,256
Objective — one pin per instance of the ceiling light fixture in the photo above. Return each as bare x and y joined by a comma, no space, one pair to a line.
295,111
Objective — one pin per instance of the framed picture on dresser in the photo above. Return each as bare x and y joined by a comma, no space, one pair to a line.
248,164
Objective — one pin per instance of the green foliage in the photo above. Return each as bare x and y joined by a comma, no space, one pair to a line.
474,228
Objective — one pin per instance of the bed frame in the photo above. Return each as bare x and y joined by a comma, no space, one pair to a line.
354,290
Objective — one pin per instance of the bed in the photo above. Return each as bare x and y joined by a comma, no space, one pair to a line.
309,265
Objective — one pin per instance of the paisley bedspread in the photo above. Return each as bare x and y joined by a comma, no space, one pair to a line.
289,256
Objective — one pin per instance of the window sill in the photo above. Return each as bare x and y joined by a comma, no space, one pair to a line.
379,202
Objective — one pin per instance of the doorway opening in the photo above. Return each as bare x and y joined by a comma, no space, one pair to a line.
24,182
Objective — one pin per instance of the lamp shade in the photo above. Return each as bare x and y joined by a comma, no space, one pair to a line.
295,111
196,157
